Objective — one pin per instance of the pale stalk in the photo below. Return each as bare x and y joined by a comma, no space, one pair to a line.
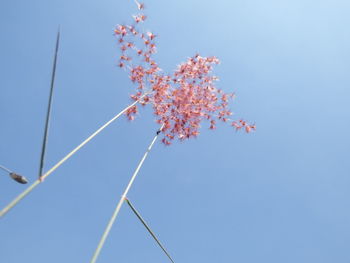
121,201
38,181
5,169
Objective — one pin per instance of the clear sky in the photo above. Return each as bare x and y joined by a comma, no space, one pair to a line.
280,194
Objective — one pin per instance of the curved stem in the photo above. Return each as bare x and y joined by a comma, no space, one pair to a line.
38,181
121,201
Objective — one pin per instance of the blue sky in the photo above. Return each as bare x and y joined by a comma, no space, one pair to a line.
280,194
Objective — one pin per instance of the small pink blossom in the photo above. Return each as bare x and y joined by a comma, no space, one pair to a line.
182,100
140,6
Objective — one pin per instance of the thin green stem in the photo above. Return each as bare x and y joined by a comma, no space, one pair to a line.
121,201
38,181
148,229
48,113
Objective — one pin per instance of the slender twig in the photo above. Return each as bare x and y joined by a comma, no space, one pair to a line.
121,201
48,114
5,169
37,182
148,228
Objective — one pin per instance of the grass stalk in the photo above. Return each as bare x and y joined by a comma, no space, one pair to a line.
38,181
121,201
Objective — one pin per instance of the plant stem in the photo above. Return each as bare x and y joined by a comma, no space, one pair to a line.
48,114
148,228
38,181
5,169
121,201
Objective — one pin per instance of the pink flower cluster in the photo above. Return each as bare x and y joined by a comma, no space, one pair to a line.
180,101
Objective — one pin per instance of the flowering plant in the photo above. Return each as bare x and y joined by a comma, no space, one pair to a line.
180,101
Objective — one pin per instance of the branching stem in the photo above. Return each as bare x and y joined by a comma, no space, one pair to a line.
121,201
38,181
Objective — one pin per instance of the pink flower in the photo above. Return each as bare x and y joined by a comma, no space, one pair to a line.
182,100
139,5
